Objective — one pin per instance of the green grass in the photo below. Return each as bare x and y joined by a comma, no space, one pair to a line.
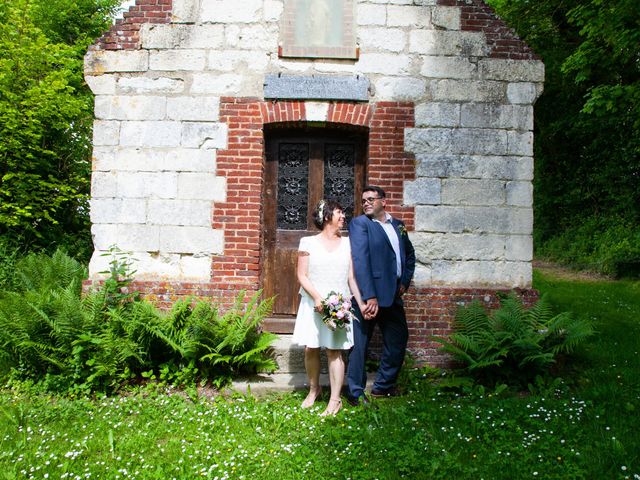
584,427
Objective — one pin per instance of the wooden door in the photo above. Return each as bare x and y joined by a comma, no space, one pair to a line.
302,167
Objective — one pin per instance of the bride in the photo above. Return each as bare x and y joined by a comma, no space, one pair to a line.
324,265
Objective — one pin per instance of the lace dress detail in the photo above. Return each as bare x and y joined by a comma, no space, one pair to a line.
327,271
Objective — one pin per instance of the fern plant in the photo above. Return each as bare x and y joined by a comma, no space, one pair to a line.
50,333
512,344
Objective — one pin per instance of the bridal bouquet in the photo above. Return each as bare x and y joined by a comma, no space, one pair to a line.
336,311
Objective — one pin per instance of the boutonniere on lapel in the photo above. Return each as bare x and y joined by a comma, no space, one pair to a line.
403,230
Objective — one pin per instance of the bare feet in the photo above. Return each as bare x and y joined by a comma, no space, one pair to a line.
333,407
314,394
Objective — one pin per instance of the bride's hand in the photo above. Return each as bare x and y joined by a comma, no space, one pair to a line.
318,306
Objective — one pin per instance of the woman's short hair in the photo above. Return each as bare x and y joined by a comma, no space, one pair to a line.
323,213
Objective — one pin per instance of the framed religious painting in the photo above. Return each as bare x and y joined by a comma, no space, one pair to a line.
318,29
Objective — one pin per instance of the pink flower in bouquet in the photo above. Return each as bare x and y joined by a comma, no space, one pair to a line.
336,311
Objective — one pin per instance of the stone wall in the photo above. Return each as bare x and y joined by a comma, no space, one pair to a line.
178,146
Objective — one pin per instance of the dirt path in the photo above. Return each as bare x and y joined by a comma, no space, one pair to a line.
565,273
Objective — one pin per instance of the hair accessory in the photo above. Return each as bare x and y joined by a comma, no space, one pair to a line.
321,211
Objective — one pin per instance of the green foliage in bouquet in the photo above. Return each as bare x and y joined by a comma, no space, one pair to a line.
67,342
512,344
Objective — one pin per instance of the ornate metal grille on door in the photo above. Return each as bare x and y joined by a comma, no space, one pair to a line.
293,181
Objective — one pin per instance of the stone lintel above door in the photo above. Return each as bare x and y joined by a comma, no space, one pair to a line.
320,87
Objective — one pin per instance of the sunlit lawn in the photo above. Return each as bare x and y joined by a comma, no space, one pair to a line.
586,427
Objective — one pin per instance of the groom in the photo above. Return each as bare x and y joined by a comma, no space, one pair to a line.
384,262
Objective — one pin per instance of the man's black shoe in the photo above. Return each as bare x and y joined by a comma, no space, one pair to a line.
392,392
359,401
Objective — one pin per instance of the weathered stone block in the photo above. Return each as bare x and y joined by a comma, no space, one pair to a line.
147,184
437,114
448,43
103,185
519,248
179,212
460,141
132,107
195,240
201,108
139,159
202,186
232,60
204,135
520,143
449,90
156,266
490,115
457,191
272,10
195,267
105,132
190,160
104,236
139,238
171,36
97,62
392,39
474,166
230,11
512,70
454,246
502,220
214,83
523,93
118,210
448,67
316,111
248,37
439,219
150,134
141,85
184,11
103,159
520,194
371,14
399,89
481,273
446,17
384,63
174,60
101,84
422,191
408,15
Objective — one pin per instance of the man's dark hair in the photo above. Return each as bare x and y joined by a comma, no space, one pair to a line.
374,188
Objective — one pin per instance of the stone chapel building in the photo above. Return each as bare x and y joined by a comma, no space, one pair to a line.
220,123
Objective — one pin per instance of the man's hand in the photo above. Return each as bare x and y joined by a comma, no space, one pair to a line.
370,309
401,290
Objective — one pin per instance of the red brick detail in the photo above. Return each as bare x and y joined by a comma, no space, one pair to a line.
503,42
125,33
389,164
431,311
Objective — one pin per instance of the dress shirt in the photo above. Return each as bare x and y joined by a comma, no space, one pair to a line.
390,230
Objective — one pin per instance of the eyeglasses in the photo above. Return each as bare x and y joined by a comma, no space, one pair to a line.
370,200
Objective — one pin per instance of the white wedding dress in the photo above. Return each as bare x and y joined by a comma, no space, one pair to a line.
328,271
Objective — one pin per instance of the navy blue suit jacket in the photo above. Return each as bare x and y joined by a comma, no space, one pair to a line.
374,260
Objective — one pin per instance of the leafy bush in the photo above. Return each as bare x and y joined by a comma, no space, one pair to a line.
603,244
512,345
50,333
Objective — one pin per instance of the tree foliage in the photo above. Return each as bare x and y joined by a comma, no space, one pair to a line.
588,119
46,114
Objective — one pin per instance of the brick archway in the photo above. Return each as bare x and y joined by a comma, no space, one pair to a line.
242,164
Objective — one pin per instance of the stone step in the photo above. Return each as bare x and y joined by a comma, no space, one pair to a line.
290,357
